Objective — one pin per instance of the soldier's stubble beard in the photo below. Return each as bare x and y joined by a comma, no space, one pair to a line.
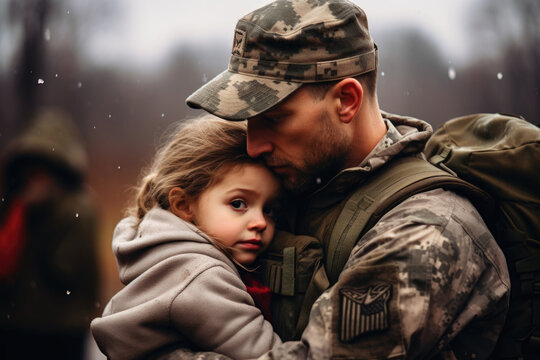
324,158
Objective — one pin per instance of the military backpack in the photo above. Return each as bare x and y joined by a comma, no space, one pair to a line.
494,160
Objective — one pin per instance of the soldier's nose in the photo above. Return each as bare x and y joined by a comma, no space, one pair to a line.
258,139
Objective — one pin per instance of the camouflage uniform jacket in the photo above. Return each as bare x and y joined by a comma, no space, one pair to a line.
427,281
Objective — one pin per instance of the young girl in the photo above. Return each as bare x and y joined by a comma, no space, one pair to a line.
203,209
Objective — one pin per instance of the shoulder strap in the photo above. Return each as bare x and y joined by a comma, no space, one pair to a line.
383,190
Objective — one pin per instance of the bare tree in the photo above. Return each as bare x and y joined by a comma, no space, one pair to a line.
32,14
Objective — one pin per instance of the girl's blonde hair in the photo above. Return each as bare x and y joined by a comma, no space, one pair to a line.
197,155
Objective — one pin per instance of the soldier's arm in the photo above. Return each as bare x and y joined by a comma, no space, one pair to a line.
420,282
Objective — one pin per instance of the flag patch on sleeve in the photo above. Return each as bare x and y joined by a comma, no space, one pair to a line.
364,310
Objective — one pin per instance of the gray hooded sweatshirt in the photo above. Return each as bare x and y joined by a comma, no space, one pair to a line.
181,291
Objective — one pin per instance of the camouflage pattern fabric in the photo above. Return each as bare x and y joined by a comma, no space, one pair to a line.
279,47
427,280
187,354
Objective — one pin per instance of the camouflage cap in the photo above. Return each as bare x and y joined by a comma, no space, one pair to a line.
283,45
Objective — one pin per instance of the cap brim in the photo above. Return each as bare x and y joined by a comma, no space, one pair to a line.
234,96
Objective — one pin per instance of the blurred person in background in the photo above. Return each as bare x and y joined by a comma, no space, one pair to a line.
48,228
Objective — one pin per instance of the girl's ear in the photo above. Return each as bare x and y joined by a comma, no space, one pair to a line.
180,204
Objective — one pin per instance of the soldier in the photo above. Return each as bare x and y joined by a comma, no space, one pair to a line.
428,280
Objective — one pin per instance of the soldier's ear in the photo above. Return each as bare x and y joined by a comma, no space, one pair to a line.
181,204
351,94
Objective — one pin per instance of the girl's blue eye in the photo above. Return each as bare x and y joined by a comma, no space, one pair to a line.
238,204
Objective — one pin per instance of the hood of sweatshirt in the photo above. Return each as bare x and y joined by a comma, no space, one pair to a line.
160,236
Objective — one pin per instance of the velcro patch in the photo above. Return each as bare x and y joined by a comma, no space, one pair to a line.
366,322
239,42
364,310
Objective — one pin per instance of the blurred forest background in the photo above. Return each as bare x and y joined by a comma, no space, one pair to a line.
122,106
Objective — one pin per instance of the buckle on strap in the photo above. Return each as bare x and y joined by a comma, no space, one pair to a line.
441,156
281,277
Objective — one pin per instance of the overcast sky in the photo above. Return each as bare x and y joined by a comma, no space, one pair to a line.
146,30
